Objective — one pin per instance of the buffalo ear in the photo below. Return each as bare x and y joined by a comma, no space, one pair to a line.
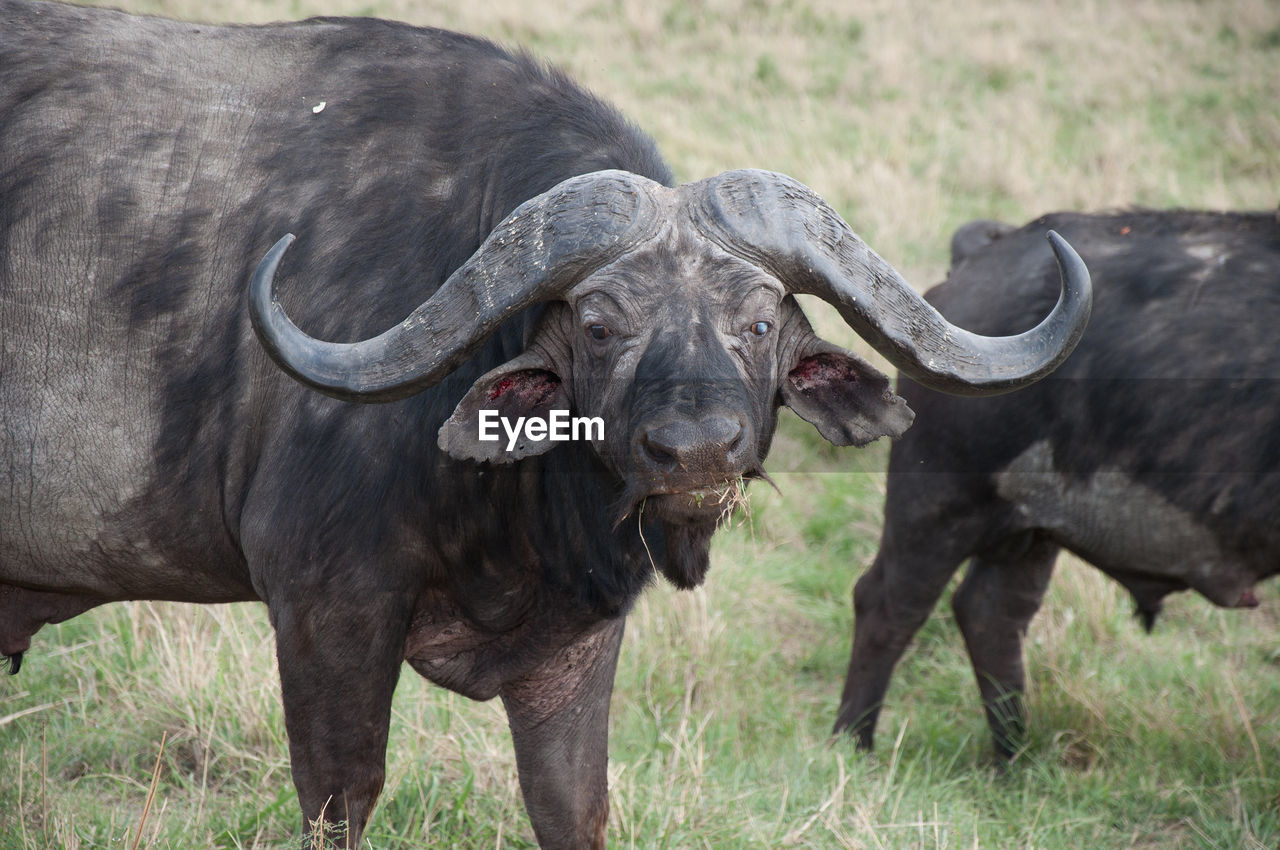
523,387
847,399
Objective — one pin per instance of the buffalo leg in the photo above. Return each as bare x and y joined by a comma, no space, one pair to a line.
339,663
891,601
559,718
993,606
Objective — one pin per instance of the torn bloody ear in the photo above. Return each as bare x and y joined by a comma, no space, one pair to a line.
847,399
498,406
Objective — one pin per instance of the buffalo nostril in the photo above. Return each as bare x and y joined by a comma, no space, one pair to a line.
723,435
662,456
736,445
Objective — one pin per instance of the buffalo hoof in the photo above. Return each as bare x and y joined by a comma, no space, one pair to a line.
15,663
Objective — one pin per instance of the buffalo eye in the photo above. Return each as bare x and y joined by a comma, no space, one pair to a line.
599,332
760,328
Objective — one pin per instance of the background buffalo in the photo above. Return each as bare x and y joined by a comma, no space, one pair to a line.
1152,453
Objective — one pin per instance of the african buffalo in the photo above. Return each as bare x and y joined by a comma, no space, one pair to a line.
152,450
1153,452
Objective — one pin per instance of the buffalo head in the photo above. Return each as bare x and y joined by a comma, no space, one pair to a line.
672,319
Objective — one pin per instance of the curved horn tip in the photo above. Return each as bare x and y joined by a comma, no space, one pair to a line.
1062,249
1058,243
278,249
1074,271
262,299
265,273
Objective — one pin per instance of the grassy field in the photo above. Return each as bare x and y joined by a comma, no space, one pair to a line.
910,118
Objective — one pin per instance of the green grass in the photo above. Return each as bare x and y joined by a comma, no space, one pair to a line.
910,118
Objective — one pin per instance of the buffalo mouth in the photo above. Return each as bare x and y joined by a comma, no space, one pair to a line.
709,504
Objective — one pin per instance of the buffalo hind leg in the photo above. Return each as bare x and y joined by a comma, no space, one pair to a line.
993,607
890,603
559,718
339,661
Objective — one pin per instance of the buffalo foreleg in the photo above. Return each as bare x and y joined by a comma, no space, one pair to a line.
559,718
890,603
993,607
339,656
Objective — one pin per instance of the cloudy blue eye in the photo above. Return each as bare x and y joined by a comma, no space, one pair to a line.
760,328
599,332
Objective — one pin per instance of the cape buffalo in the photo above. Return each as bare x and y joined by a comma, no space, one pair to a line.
1153,452
152,450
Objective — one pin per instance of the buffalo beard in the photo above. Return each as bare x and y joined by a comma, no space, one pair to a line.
687,554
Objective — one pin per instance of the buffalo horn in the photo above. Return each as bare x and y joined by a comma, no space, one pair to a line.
537,253
784,228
